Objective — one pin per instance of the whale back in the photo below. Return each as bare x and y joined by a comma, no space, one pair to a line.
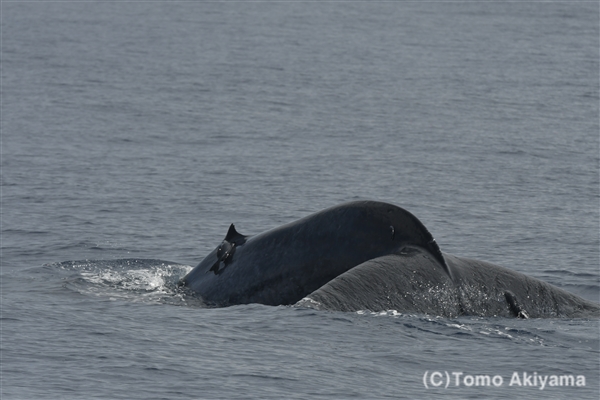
282,265
410,282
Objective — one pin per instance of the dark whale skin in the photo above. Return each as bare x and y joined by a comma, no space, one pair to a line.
368,255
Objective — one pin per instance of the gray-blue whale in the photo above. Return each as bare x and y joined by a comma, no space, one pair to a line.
369,255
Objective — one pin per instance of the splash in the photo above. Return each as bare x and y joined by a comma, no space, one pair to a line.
136,280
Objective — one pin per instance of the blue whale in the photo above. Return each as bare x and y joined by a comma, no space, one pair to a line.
368,255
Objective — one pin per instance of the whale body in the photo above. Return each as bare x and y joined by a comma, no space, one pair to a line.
368,255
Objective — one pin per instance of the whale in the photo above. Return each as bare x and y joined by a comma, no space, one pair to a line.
370,255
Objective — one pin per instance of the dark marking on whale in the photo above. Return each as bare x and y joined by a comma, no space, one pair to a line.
369,255
514,305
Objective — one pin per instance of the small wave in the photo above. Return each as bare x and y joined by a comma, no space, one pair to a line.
137,280
307,302
489,327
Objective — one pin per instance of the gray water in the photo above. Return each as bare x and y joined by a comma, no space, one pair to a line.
134,133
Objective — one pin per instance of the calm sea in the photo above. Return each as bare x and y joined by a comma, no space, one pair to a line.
134,133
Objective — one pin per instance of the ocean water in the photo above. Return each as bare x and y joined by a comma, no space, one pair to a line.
134,133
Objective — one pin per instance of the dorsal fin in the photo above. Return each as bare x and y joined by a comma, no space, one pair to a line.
234,237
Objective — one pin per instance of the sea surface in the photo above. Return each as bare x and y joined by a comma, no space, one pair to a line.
134,133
